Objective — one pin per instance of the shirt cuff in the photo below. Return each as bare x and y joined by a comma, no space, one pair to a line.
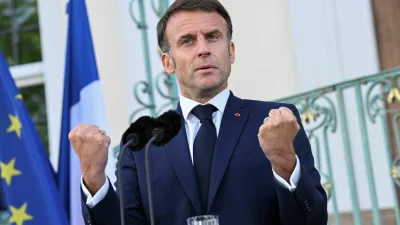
294,178
92,201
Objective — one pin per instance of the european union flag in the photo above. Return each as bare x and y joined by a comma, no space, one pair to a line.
26,174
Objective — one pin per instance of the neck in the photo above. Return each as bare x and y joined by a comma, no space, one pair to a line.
203,96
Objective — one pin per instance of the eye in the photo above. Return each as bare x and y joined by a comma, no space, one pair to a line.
212,36
186,41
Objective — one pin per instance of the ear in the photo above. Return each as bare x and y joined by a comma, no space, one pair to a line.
168,63
232,51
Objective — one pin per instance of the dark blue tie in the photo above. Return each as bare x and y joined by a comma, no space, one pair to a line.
203,150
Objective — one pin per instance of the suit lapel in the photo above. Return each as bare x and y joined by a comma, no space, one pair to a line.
179,155
233,121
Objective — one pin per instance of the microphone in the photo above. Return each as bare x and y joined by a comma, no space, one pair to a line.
138,133
167,127
135,137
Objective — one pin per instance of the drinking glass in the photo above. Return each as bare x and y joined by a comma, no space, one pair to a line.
203,220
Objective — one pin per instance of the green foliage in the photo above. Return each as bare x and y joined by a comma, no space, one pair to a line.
35,101
19,31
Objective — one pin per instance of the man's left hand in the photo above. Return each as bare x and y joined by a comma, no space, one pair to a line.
276,137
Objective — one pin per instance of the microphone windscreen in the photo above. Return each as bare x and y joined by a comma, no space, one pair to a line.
142,128
170,122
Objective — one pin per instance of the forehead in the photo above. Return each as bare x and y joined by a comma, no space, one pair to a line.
189,22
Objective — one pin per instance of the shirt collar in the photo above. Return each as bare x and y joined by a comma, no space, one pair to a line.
219,101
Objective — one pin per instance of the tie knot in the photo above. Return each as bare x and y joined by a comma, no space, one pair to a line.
204,112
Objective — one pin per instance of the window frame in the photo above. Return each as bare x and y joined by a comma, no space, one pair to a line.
26,75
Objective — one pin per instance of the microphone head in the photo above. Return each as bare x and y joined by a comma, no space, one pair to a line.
134,138
168,126
139,132
159,132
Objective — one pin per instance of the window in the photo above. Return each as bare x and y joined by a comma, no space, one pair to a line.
35,101
19,31
21,46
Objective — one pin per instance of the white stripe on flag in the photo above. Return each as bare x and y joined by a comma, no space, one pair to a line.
90,109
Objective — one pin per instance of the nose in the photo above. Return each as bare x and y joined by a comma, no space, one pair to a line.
203,48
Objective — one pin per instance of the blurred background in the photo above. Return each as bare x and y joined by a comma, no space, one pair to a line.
335,59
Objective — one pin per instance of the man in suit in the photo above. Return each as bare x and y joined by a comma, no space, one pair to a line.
247,161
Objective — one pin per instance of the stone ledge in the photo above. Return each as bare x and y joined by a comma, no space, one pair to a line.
387,216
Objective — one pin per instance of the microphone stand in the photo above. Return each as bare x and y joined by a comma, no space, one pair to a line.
133,140
158,135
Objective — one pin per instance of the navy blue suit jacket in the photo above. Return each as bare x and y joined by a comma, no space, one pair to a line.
243,189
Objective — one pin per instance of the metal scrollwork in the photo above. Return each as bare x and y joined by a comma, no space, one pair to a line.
164,79
141,87
375,101
389,86
162,84
317,113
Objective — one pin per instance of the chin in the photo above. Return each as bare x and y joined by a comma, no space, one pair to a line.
212,85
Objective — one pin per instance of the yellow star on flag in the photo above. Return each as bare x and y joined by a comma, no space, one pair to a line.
15,125
8,171
19,216
18,96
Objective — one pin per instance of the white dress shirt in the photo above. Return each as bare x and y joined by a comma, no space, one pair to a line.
192,125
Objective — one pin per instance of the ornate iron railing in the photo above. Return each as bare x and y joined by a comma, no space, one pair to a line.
164,83
324,111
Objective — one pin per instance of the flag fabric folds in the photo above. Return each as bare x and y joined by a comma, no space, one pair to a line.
82,103
27,177
4,216
3,203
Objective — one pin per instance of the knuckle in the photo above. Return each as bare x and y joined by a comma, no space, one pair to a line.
98,138
106,139
94,127
275,123
71,135
262,128
78,133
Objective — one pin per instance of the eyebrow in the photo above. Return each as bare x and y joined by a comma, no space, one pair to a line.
185,36
215,31
192,36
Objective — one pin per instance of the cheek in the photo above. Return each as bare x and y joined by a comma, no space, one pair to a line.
182,64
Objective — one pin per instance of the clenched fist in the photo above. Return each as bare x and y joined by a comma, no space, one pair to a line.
91,145
276,137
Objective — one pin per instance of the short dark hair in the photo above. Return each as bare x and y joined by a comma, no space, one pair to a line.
190,5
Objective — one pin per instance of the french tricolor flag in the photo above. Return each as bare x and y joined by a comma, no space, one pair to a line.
82,103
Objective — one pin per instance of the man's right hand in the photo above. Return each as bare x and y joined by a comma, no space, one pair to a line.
91,145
